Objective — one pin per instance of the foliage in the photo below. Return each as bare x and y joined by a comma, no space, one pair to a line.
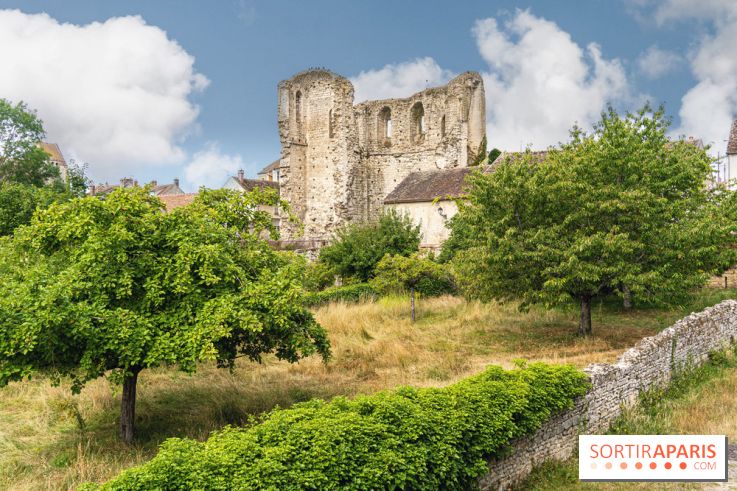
400,439
18,202
357,249
481,156
621,207
21,159
395,274
92,286
357,292
318,276
493,155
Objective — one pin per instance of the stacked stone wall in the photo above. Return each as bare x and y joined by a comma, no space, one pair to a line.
651,362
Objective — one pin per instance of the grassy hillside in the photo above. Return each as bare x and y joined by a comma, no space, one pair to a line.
50,439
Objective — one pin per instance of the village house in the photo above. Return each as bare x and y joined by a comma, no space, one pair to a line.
56,158
156,189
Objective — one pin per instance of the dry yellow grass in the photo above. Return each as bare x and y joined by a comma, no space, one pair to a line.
50,439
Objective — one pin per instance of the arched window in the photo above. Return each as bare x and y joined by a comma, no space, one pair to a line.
298,112
331,124
385,124
417,120
442,127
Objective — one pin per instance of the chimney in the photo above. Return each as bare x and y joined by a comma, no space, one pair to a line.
176,181
240,174
154,184
92,190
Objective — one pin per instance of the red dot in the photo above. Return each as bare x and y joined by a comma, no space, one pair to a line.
638,465
668,465
653,465
623,465
683,465
608,465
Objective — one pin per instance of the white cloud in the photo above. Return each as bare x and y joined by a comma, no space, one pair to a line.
211,168
399,80
708,108
114,93
655,62
540,81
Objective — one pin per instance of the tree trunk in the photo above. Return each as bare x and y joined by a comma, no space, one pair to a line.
626,298
128,406
412,300
584,325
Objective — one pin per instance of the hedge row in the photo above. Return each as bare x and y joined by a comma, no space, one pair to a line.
399,439
350,293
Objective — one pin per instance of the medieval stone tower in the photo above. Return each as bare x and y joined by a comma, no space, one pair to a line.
339,160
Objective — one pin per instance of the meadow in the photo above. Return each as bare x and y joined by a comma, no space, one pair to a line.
51,439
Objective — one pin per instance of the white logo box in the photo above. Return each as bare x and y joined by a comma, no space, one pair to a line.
652,458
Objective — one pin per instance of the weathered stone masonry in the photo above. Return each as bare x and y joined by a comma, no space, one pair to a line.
339,160
650,363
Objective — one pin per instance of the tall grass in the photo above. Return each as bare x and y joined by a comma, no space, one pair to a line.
51,439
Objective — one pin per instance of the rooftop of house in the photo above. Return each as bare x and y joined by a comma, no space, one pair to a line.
174,201
426,186
54,151
274,165
249,184
171,189
732,144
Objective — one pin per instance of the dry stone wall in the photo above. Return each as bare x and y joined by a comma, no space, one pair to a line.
650,363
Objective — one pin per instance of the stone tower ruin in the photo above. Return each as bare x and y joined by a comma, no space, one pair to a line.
339,160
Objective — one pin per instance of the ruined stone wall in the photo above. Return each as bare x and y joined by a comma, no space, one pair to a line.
453,125
650,363
339,161
319,156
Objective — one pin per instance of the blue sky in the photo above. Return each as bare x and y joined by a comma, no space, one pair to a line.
199,78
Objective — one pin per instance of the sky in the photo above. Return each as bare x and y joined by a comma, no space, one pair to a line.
158,89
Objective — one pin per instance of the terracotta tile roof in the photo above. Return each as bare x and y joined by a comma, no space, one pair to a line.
54,151
428,185
732,144
174,201
274,165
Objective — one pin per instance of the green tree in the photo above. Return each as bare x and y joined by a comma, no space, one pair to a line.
494,154
357,249
18,202
396,274
21,159
96,287
622,208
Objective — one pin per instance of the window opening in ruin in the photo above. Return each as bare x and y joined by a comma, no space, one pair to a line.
385,124
417,116
298,112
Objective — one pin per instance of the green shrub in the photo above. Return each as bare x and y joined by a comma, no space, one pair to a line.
399,274
399,439
356,249
350,293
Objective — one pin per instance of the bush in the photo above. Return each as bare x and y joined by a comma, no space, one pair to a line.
351,293
398,274
399,439
358,248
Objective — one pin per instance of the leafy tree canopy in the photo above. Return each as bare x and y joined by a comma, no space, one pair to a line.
21,159
357,249
112,286
622,207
